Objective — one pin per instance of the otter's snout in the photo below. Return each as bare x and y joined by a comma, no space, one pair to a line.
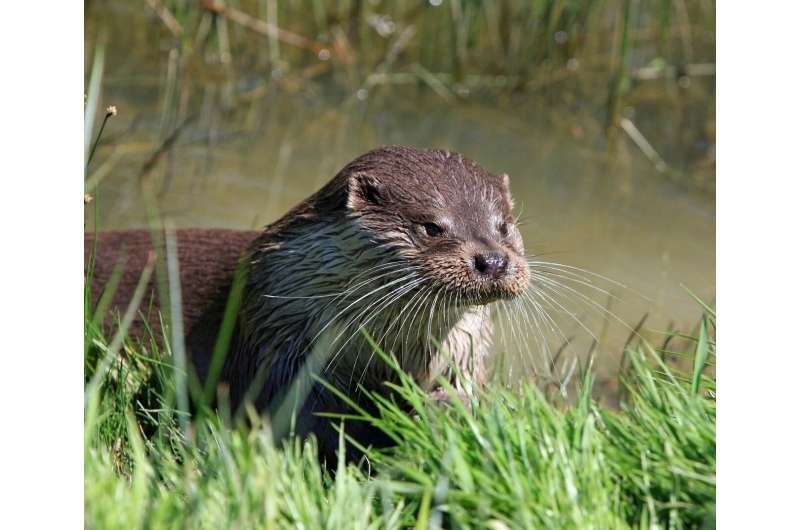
493,264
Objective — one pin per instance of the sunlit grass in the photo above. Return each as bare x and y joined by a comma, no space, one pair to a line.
509,459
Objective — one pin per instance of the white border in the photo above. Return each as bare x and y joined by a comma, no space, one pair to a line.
757,241
757,251
41,446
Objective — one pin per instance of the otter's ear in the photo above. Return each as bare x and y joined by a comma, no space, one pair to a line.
506,180
363,190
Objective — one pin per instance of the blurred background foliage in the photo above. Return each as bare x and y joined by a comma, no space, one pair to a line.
602,111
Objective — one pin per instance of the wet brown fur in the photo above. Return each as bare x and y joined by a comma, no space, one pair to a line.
207,258
365,227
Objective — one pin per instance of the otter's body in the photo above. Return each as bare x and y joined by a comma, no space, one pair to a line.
207,258
407,245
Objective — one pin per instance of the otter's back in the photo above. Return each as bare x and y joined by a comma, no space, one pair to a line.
207,261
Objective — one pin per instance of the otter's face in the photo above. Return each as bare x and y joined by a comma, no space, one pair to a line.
445,215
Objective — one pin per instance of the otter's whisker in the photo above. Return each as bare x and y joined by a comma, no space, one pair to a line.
536,264
355,319
395,268
567,276
546,321
431,316
396,295
349,288
343,311
554,285
545,299
500,319
412,326
357,323
372,352
564,309
532,310
538,314
406,311
520,308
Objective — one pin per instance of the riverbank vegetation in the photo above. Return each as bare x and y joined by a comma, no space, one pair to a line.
514,458
623,70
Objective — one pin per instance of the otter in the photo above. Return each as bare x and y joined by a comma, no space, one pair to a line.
406,247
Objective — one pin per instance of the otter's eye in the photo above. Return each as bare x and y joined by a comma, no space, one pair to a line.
432,229
503,229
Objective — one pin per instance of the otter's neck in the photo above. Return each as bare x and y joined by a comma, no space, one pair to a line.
317,289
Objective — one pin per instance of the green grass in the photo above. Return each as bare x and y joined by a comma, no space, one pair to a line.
517,459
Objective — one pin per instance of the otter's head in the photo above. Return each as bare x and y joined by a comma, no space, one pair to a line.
445,216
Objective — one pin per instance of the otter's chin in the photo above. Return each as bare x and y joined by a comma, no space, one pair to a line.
486,300
499,293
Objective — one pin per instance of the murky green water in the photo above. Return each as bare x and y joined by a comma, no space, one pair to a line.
612,214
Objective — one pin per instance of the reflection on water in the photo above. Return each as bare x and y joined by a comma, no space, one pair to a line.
616,216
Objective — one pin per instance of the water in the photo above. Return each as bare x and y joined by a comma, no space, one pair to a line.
583,203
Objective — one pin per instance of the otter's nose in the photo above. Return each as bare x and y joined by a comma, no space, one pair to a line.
491,264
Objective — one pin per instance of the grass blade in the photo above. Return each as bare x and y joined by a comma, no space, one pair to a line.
700,357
